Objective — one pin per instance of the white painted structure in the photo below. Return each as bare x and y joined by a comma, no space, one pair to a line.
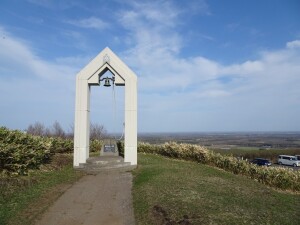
90,75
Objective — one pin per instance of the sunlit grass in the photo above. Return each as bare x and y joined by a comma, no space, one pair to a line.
166,189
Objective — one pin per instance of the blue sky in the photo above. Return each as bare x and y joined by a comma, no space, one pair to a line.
201,65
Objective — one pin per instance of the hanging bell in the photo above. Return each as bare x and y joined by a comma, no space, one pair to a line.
107,83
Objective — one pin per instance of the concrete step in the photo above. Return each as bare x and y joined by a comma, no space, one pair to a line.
94,171
108,165
97,164
118,170
104,160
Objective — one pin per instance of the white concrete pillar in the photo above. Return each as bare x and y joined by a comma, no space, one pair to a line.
130,151
82,122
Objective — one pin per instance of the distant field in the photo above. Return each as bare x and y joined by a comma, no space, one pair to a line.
174,191
275,140
240,144
233,148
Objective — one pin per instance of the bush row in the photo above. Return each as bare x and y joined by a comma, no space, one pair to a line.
278,177
20,152
271,154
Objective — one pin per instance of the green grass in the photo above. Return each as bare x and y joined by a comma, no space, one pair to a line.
170,190
23,199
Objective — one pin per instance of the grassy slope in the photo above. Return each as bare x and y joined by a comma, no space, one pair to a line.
23,200
166,189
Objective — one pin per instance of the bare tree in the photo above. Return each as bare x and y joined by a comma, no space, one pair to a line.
70,133
57,130
48,132
97,131
37,129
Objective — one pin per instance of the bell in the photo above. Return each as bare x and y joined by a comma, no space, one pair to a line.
107,83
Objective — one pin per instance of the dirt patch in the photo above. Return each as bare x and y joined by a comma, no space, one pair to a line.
57,162
162,218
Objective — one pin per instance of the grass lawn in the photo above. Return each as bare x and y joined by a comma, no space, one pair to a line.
180,192
23,199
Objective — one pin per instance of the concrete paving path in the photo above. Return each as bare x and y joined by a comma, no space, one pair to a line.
104,198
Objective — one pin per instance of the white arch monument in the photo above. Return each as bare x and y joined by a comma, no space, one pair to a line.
90,75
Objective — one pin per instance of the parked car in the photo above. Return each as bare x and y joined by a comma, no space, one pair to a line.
261,162
288,160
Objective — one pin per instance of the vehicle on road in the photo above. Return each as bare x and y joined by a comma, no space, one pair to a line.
288,160
261,162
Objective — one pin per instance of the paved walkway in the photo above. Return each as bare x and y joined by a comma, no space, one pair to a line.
104,198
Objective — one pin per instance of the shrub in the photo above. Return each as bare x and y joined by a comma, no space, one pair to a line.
282,178
120,145
271,154
59,145
95,145
20,152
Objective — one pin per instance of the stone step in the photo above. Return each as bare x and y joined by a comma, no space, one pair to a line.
118,170
97,170
97,164
104,160
108,165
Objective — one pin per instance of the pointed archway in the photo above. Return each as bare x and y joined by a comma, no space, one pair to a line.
90,75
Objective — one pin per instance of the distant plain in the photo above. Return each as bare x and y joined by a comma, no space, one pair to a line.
248,145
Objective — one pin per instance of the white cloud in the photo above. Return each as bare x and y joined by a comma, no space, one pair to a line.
156,46
91,22
293,44
214,93
18,59
157,13
176,92
31,88
246,68
243,94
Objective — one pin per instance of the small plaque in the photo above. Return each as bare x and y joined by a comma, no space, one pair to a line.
109,148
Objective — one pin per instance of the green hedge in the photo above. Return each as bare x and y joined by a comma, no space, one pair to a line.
278,177
271,154
20,152
120,145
